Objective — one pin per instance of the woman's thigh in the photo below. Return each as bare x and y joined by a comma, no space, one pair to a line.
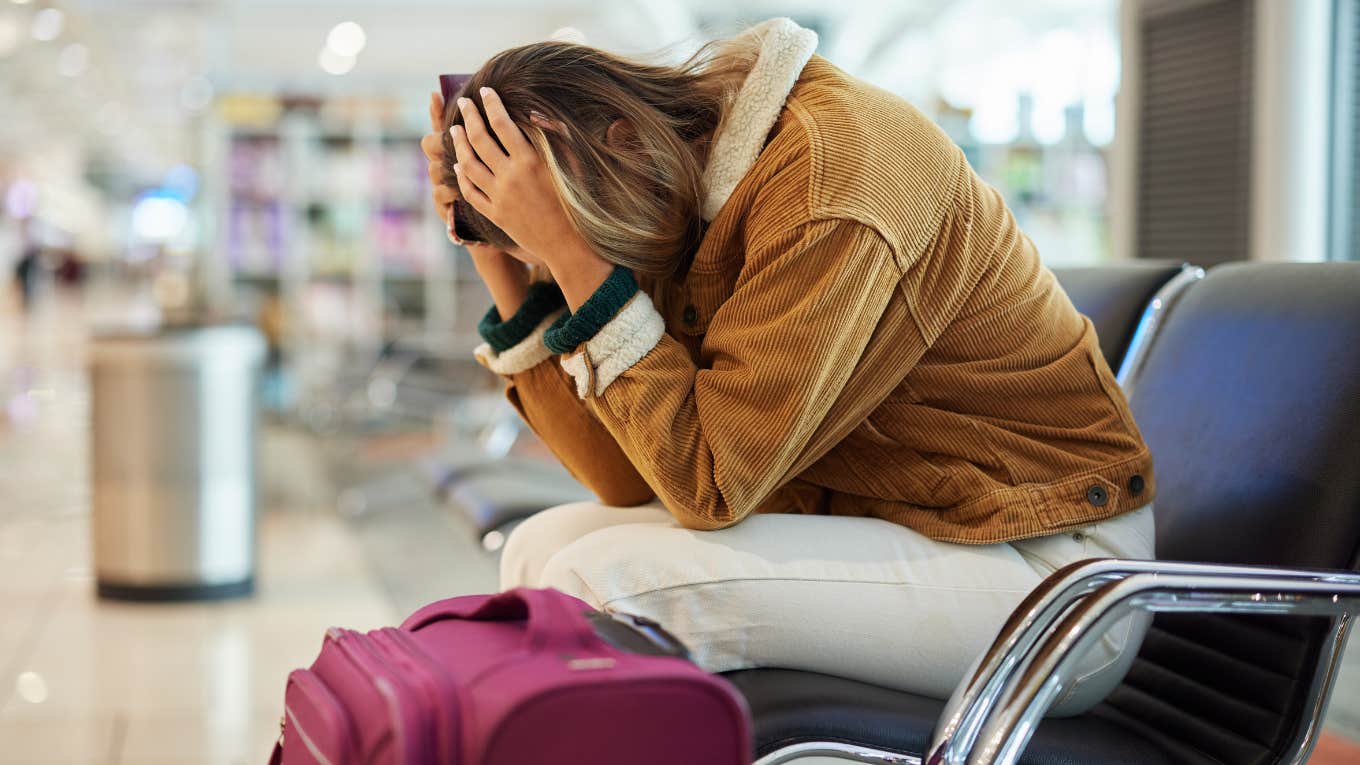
854,597
545,533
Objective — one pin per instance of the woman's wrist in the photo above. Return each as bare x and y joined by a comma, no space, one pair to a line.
506,278
579,272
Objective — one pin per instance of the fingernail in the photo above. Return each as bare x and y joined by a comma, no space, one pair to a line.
457,168
487,92
462,102
453,131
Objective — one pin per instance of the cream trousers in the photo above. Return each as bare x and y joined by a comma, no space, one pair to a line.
855,597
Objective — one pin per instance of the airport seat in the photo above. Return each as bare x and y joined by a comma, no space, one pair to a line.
1118,298
1250,402
497,495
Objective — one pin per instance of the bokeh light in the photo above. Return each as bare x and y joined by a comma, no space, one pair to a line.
334,63
346,39
47,24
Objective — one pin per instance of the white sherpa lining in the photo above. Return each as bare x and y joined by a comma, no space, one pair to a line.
631,334
784,50
526,354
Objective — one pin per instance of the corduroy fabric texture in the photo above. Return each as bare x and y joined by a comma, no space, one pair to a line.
864,331
572,329
543,299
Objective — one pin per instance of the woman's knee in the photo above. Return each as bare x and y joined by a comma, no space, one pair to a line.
625,560
535,541
541,535
1104,668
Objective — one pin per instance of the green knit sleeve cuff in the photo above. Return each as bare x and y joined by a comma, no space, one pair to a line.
572,329
543,299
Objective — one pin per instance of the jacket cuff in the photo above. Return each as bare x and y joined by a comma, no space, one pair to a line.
526,354
572,329
543,298
622,342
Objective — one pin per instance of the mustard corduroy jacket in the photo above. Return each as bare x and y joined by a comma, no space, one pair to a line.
864,331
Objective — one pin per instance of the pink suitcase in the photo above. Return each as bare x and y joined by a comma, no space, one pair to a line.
509,679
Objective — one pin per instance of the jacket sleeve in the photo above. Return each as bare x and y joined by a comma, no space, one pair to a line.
772,391
545,398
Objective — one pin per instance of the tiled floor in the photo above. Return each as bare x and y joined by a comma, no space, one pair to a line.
84,681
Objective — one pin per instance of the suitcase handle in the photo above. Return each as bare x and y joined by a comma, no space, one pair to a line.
553,620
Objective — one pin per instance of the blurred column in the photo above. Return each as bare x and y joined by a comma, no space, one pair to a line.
1345,159
1291,130
1123,204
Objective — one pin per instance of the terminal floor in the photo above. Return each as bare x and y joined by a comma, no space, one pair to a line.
85,681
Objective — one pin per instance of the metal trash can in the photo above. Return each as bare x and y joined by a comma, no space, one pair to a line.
174,459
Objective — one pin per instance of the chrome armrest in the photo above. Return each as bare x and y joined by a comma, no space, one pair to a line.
1014,710
1028,625
1153,316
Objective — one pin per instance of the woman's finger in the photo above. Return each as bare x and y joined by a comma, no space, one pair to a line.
481,140
470,192
436,172
432,144
469,159
478,174
512,138
468,162
436,112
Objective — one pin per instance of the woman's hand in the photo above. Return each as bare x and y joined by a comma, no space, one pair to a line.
432,144
506,278
512,188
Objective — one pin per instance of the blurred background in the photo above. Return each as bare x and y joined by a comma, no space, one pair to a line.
171,168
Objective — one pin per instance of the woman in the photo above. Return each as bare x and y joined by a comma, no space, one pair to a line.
838,416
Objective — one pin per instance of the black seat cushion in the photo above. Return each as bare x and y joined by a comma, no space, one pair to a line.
792,707
1114,297
1250,403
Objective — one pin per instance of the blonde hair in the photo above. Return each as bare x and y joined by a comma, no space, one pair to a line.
636,201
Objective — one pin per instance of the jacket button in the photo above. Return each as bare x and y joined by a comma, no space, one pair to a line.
1097,496
690,316
1136,485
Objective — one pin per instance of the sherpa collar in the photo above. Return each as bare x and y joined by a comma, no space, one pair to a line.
785,49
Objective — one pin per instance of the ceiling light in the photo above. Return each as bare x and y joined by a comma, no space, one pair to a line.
73,59
335,63
47,24
346,38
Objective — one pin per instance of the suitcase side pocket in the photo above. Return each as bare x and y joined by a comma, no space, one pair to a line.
317,729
